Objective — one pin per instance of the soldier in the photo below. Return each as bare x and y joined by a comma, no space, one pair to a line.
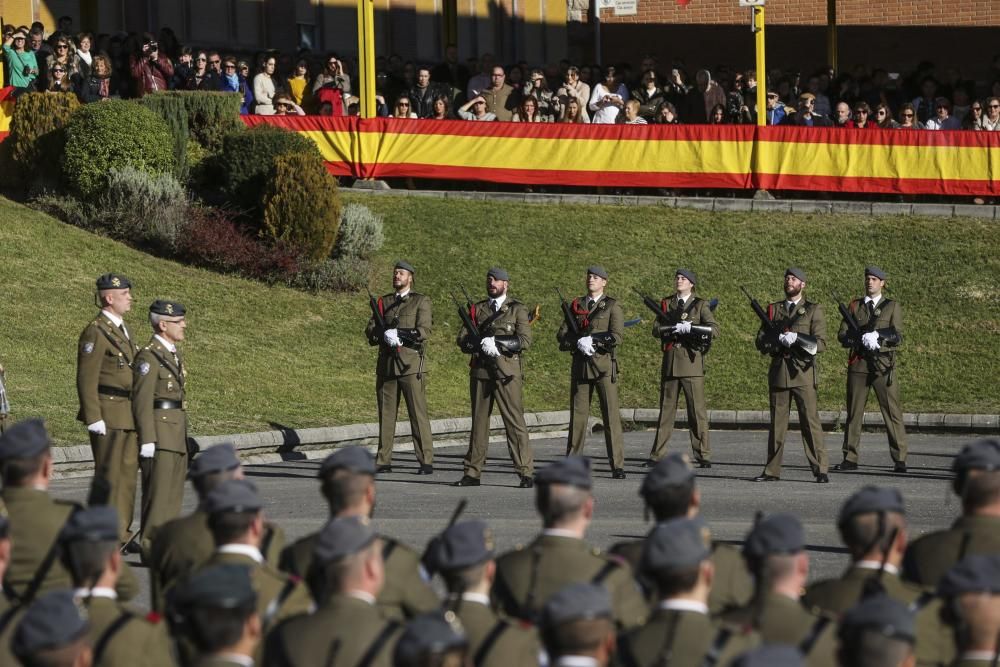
871,365
496,375
105,359
771,655
679,631
527,576
684,367
347,629
348,485
181,546
971,590
775,553
669,492
879,630
977,531
9,610
53,631
600,323
401,368
578,626
432,639
161,421
89,550
463,555
798,334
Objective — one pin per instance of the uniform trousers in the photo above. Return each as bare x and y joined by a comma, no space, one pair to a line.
697,416
858,385
509,395
413,389
116,466
581,393
812,430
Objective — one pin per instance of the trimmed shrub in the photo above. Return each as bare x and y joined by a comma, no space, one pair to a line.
361,232
172,110
70,210
344,274
37,135
114,134
302,205
211,116
248,159
147,209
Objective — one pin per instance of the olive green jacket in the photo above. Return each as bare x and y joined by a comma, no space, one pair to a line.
157,377
142,641
888,314
105,357
683,638
511,320
791,367
929,557
412,312
679,359
605,317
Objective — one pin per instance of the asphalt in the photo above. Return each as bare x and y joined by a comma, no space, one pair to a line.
412,508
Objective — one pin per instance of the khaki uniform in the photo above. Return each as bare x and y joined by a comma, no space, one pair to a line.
498,380
404,595
105,358
789,378
494,642
782,620
159,408
598,372
682,639
529,575
342,633
9,619
181,546
863,376
928,558
402,371
125,637
683,368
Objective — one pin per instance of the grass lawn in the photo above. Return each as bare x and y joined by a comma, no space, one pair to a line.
260,355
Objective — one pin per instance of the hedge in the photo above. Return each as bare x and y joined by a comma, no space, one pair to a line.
301,204
38,135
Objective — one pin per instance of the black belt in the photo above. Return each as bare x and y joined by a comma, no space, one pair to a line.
167,405
113,391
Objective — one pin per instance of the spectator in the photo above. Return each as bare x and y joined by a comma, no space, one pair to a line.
441,107
538,87
863,116
85,60
632,116
481,81
991,122
527,111
64,55
149,68
705,95
403,108
515,77
749,109
423,93
298,82
775,109
284,105
974,119
333,76
574,88
185,62
263,87
883,117
908,118
943,120
608,98
235,81
960,103
201,77
923,106
59,80
805,116
736,111
821,105
649,94
718,115
675,88
843,118
573,112
479,112
451,72
21,63
666,114
99,84
215,64
499,96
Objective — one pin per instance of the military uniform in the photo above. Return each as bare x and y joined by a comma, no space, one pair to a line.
279,595
120,632
683,638
52,623
493,641
782,620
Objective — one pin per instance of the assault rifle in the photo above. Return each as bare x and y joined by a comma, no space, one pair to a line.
770,345
700,336
408,337
855,333
604,341
507,345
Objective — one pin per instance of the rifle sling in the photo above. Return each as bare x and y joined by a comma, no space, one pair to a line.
721,638
101,645
491,639
274,606
373,649
814,632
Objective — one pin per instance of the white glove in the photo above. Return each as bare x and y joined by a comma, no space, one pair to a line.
391,338
147,450
682,328
870,340
788,338
489,346
100,428
586,345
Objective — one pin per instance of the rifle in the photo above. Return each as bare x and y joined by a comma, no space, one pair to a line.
507,345
383,326
855,333
770,344
699,338
427,559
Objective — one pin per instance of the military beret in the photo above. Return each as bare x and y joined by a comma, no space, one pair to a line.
771,655
4,527
406,266
775,534
24,440
355,459
572,470
872,499
498,274
581,601
676,544
979,455
214,459
881,614
797,272
94,524
462,545
342,537
689,274
875,271
973,574
52,621
113,281
220,586
598,270
233,495
673,469
428,634
167,308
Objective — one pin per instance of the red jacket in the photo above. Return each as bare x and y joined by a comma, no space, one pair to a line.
150,77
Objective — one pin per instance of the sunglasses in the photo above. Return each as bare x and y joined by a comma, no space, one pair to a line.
403,104
229,66
57,71
880,112
977,108
62,46
995,106
861,111
201,60
907,115
214,62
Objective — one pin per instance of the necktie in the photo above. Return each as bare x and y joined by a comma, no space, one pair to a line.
494,305
590,303
871,309
124,331
680,303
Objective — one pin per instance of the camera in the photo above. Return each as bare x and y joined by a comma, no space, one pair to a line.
26,71
152,46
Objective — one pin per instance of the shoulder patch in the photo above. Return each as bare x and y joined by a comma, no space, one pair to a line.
87,347
144,368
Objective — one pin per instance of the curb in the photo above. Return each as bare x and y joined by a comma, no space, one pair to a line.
315,443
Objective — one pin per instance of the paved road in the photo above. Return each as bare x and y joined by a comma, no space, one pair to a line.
412,508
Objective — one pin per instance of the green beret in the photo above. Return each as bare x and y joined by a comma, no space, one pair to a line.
113,281
24,440
167,308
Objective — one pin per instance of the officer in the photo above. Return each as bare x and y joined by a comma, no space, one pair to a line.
347,629
53,631
677,559
971,590
496,375
527,576
347,479
432,639
180,546
977,531
669,492
683,367
879,630
215,611
89,551
401,367
871,365
600,324
797,335
463,555
105,359
577,626
161,421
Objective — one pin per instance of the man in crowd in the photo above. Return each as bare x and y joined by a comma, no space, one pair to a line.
451,72
150,69
501,99
806,114
53,631
943,120
422,94
577,627
971,591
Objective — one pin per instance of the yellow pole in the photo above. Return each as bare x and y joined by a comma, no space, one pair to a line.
758,28
366,57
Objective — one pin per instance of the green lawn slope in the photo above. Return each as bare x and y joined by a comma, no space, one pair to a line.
260,355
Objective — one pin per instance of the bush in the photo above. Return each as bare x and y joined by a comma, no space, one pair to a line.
171,109
211,116
114,134
301,204
147,209
68,209
37,134
248,158
361,232
344,274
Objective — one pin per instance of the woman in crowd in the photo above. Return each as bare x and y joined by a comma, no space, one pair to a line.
85,59
332,76
234,81
538,87
573,112
298,82
403,108
718,115
666,114
527,111
991,119
608,98
908,118
883,117
479,112
59,80
99,85
201,77
863,116
21,63
649,94
574,88
63,54
263,87
441,108
974,118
